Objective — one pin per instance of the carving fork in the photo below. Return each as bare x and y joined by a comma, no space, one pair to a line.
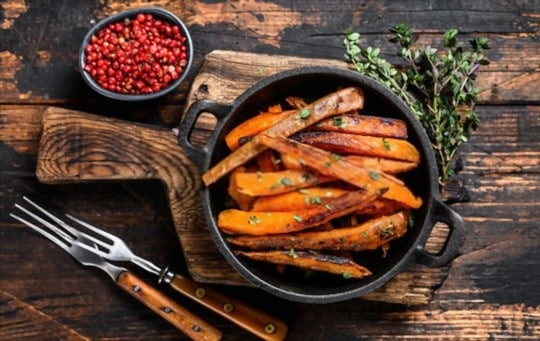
110,247
178,316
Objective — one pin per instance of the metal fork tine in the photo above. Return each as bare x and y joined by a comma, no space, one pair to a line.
58,231
47,213
69,228
93,228
116,249
41,231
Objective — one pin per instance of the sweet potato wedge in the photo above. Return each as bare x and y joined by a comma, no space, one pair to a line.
271,183
355,123
275,109
369,235
296,102
334,165
311,261
267,161
298,200
341,101
233,221
253,126
242,200
381,147
388,166
306,198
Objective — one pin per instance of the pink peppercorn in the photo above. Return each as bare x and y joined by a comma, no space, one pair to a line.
136,56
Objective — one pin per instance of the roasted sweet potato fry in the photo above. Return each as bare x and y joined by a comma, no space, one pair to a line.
376,163
242,200
380,207
369,235
381,164
334,165
311,261
355,123
234,221
341,101
271,183
253,126
297,200
276,108
381,147
307,198
267,162
296,102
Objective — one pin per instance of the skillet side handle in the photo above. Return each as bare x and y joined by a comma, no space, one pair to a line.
456,237
200,154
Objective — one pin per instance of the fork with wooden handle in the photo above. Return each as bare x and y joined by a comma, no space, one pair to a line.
111,247
178,316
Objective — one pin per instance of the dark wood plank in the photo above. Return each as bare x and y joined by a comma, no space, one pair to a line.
28,323
490,292
40,68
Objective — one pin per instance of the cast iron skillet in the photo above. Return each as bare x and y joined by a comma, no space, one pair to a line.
312,83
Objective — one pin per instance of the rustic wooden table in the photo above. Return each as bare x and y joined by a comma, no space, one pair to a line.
489,292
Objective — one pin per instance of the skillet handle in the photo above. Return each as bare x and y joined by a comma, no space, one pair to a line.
200,154
443,213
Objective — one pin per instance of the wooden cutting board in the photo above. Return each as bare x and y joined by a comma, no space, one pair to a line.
77,146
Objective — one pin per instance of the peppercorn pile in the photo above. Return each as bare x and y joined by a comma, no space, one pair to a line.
136,56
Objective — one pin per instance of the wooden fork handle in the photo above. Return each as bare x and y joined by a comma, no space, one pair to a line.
255,321
178,316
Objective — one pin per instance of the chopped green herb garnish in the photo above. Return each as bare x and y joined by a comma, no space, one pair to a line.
387,232
386,144
329,206
292,253
374,175
316,200
364,234
347,275
307,176
303,191
336,157
297,217
327,164
304,113
286,181
411,220
254,220
339,122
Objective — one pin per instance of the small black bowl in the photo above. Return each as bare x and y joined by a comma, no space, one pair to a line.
158,13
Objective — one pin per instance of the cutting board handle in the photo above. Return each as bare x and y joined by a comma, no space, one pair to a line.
77,146
200,155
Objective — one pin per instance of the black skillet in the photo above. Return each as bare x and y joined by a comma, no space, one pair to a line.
312,83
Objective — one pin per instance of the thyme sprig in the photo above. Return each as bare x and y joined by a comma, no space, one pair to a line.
439,87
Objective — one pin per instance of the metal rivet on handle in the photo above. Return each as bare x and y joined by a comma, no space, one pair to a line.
227,307
136,288
167,309
269,328
200,292
196,328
